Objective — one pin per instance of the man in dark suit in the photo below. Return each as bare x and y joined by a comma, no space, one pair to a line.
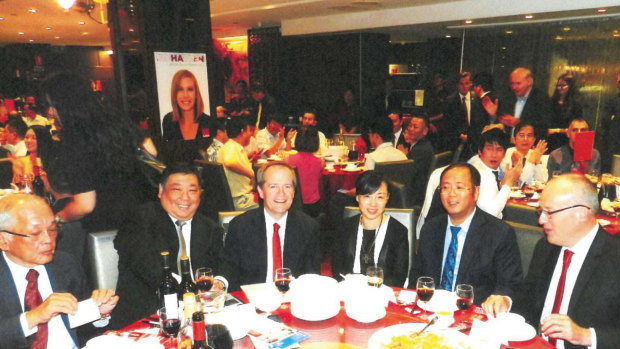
571,289
467,245
48,284
464,117
420,149
399,131
528,103
273,236
164,226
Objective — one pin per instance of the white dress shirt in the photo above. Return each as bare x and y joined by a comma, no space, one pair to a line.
396,135
460,236
530,171
266,140
379,238
58,336
580,251
433,183
491,200
384,153
269,221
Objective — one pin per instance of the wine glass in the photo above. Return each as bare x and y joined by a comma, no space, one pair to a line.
594,176
170,321
204,279
556,173
465,296
282,279
375,276
425,288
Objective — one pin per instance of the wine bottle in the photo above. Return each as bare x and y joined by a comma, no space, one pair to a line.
187,284
168,287
199,331
37,183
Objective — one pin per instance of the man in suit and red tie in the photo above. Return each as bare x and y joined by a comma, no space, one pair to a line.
272,236
571,289
39,288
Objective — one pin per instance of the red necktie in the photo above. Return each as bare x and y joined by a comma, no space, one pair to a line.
277,248
465,112
33,299
559,293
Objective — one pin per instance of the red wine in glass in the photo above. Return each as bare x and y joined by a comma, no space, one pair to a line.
463,303
171,327
425,294
204,284
283,285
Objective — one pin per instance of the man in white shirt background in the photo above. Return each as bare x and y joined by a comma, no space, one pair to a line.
271,138
15,131
309,119
532,158
380,136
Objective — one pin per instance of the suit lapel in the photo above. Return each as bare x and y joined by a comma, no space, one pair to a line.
440,237
261,249
470,247
351,243
10,298
291,239
590,264
60,284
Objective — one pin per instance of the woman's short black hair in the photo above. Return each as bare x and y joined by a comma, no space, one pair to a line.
307,140
369,182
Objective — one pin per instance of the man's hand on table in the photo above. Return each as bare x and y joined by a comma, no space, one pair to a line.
561,326
106,301
496,304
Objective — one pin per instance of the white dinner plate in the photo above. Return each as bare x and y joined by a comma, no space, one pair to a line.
517,195
442,301
384,336
324,314
350,169
521,332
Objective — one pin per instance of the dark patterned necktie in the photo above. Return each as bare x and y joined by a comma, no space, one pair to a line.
33,299
496,174
447,277
182,245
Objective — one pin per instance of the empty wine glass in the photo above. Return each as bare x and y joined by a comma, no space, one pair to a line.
425,288
465,296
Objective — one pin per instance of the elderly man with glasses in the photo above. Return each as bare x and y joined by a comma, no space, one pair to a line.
571,288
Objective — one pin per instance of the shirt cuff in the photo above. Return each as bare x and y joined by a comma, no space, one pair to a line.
592,338
24,324
103,322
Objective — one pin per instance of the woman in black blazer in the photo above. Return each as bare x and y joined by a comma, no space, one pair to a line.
372,237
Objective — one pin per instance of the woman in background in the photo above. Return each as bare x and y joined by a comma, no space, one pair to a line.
372,237
566,108
309,169
187,121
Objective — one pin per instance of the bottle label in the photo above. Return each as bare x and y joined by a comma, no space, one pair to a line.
172,305
199,331
189,304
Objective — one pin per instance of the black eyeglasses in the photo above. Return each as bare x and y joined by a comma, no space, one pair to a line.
540,211
51,233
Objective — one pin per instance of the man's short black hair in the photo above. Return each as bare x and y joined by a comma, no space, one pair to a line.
524,124
235,126
274,116
178,167
220,124
383,127
493,136
424,117
18,126
474,174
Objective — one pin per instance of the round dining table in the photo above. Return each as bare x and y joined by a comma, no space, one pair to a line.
342,332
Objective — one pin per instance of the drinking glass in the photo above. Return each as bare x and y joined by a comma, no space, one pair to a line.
556,173
425,288
465,296
170,321
204,279
594,176
282,279
375,276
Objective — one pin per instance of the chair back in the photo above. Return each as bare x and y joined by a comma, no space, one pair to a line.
6,173
615,165
440,160
224,218
103,259
400,172
298,202
406,216
216,194
520,214
457,153
527,238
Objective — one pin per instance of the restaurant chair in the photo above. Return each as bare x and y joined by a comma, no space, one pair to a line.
400,172
406,216
615,165
457,153
216,194
103,259
520,213
347,138
224,218
440,160
399,195
527,238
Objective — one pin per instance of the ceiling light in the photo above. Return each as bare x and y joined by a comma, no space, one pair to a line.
31,40
48,28
616,35
109,52
601,10
20,33
559,38
468,21
66,4
1,18
32,10
82,22
529,16
566,29
508,31
56,37
131,30
84,33
448,36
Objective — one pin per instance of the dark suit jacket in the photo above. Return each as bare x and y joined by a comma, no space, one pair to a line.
393,258
422,153
139,244
537,109
65,275
490,260
454,120
561,159
246,247
595,301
